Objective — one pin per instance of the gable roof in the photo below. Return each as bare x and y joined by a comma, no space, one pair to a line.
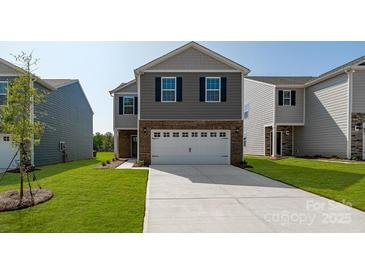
59,83
122,86
22,71
198,47
283,80
338,70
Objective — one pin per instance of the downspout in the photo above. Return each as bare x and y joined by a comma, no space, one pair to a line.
242,112
139,110
273,142
349,113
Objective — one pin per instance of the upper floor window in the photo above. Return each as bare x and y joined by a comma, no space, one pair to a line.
213,89
287,97
168,89
128,104
3,92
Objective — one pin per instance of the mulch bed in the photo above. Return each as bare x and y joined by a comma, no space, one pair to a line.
9,200
113,164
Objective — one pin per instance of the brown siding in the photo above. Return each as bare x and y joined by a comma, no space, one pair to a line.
233,126
125,143
191,108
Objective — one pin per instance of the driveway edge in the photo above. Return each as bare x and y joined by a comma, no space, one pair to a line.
146,207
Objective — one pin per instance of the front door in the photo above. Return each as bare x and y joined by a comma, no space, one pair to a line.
278,143
134,147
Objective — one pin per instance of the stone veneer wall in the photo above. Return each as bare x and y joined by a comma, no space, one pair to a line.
236,138
124,150
287,144
357,120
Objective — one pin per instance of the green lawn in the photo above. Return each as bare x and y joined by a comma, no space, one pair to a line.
343,182
85,199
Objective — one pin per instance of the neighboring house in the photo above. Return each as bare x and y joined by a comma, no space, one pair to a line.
182,108
67,114
309,116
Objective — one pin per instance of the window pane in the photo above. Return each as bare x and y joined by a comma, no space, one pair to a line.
212,83
168,83
128,104
212,95
168,95
3,88
286,102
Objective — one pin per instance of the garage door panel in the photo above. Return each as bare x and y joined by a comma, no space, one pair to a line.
190,147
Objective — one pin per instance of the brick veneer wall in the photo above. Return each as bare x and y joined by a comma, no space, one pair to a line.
124,149
357,120
236,138
287,144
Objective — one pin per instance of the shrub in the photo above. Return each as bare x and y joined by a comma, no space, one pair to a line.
245,164
103,164
108,162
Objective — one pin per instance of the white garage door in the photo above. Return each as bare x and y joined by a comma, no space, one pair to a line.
185,147
7,151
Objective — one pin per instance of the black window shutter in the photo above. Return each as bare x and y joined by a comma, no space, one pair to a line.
158,89
223,89
135,105
179,89
293,93
202,89
280,97
121,105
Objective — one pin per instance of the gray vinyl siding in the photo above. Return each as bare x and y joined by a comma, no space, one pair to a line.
132,88
191,108
191,59
290,114
68,118
358,91
326,118
6,70
123,121
259,96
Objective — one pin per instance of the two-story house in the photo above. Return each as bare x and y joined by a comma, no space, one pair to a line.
185,107
308,116
66,114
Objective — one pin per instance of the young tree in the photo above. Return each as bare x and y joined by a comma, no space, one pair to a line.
17,116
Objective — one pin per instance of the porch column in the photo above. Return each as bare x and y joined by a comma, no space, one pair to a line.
116,142
273,149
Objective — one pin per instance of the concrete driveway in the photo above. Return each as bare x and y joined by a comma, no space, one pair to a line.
210,198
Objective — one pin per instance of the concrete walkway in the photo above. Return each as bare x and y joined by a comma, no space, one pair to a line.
128,164
229,199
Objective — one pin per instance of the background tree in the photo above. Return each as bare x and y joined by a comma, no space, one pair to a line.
103,142
17,116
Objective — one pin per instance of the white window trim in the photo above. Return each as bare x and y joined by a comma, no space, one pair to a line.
286,90
162,89
7,92
124,106
206,89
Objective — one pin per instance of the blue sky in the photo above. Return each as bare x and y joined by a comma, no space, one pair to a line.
101,66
